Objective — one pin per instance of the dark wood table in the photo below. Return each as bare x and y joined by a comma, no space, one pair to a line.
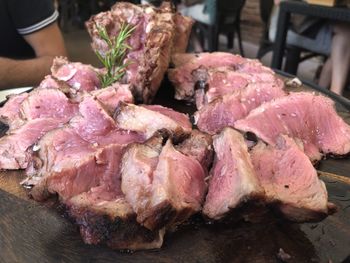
294,7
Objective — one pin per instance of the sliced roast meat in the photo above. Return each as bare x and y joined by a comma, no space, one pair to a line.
177,190
14,145
182,76
68,165
137,167
225,111
290,180
198,146
103,214
78,76
81,165
47,103
73,159
222,81
306,116
233,180
41,111
111,96
191,62
207,76
180,118
152,41
49,82
150,119
39,103
63,164
93,121
112,223
163,193
254,66
10,113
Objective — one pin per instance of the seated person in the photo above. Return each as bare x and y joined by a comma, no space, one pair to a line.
324,37
30,39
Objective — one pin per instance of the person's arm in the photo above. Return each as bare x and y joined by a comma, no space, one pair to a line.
47,44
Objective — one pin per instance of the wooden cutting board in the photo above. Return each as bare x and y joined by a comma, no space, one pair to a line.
33,232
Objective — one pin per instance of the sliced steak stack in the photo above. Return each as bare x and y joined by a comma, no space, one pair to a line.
305,116
41,111
225,111
157,33
290,181
165,184
74,152
80,163
232,178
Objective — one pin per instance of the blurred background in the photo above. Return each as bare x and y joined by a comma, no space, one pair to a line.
243,28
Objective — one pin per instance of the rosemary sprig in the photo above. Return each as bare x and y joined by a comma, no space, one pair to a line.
113,59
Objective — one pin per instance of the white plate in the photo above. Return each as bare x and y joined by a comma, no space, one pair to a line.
6,92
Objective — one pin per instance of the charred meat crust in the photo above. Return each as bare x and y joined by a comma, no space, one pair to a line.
117,233
161,215
300,215
166,215
245,208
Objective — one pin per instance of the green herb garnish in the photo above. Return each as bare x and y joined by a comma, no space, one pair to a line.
113,59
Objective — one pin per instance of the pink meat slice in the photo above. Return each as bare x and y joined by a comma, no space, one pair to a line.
93,121
225,111
233,180
111,96
150,119
137,167
198,146
182,78
10,113
222,81
306,116
62,165
14,145
41,111
290,180
47,103
177,191
78,76
179,117
49,82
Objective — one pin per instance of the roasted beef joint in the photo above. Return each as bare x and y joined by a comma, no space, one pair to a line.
157,33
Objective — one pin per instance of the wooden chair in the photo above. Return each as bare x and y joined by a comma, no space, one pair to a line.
294,54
